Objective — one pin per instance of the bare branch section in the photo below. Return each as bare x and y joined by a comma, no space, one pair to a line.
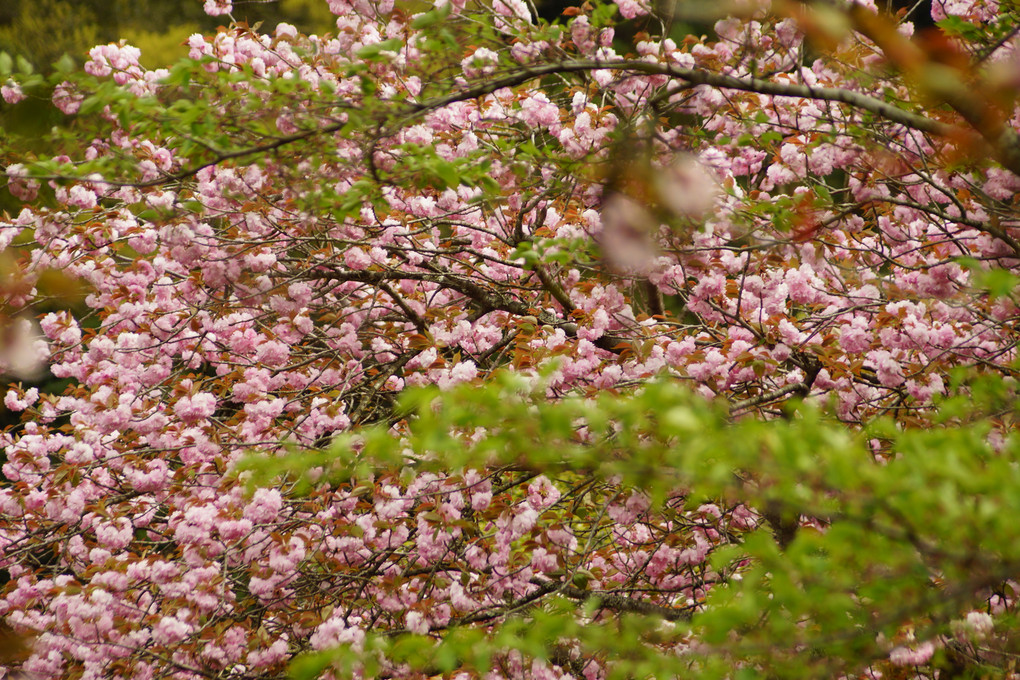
488,300
619,603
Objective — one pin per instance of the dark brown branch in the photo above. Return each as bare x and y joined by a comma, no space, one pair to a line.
487,299
619,603
699,77
768,397
554,289
411,315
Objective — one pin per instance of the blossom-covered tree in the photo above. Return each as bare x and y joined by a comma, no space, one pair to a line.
458,342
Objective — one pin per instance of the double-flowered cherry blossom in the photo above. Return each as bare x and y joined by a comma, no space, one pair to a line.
388,221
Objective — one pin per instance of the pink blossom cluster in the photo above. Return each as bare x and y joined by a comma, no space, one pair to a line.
252,305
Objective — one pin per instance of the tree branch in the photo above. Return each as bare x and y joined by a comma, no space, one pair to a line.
619,603
1006,147
768,397
698,77
487,299
554,289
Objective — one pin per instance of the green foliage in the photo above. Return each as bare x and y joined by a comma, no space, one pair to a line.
998,282
910,525
45,30
375,51
432,17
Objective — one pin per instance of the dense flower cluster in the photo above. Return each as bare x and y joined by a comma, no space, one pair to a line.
358,216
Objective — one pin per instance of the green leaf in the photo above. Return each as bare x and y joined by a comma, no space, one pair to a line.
447,658
309,666
64,65
25,66
958,27
447,172
431,18
180,75
998,282
6,64
373,51
487,184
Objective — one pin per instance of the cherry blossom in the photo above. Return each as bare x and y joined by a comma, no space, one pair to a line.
312,225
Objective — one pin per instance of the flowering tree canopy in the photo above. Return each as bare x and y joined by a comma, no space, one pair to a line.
458,343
